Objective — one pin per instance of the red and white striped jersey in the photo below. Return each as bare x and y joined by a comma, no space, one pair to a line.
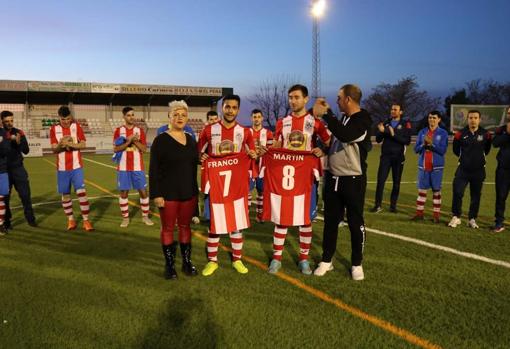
226,180
262,137
218,140
288,179
132,157
298,133
70,159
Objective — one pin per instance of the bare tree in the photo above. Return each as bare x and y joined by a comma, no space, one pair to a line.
487,92
271,98
479,92
416,104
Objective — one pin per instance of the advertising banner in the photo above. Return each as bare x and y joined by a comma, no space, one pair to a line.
492,115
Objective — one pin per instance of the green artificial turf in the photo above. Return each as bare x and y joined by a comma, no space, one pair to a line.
106,289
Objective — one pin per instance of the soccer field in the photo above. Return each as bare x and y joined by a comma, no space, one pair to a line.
106,289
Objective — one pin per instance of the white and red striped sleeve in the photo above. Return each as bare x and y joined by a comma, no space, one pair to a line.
80,135
53,137
278,136
204,139
116,134
143,139
269,137
322,131
248,139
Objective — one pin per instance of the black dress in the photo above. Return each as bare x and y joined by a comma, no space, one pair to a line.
173,168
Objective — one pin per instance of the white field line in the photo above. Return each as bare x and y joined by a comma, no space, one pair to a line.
411,240
437,247
103,164
441,248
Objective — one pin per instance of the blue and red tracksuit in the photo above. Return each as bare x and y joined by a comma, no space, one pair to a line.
431,158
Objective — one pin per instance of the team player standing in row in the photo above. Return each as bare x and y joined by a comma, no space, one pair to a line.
502,142
4,177
471,145
431,145
395,135
299,132
219,139
67,140
262,138
129,141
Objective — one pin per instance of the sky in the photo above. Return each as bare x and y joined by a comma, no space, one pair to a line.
241,43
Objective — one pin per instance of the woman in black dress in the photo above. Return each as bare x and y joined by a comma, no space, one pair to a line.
173,187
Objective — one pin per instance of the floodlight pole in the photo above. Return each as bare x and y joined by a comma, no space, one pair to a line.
318,7
316,59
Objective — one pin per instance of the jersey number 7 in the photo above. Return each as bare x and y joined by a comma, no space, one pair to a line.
226,186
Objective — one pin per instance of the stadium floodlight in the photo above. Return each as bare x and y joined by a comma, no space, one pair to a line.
318,8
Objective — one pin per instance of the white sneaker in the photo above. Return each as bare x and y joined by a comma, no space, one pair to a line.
124,223
454,222
147,220
357,272
472,224
195,220
323,268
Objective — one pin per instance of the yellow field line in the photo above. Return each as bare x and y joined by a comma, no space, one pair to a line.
382,324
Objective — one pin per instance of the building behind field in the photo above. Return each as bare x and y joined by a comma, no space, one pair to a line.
98,107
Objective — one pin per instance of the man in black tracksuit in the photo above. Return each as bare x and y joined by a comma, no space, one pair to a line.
5,147
18,176
345,180
470,144
502,141
395,135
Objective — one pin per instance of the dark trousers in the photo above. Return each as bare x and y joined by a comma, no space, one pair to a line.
396,164
340,192
18,177
462,179
502,189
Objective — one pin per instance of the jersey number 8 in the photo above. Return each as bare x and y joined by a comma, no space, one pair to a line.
288,177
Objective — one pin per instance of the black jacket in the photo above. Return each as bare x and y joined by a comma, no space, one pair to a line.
471,148
348,152
395,145
502,141
14,158
5,147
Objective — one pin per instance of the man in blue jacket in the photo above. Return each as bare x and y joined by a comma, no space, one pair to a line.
502,141
18,175
395,135
431,146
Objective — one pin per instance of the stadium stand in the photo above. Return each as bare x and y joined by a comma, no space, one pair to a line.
98,106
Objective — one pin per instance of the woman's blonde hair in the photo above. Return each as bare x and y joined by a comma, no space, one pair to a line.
174,105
